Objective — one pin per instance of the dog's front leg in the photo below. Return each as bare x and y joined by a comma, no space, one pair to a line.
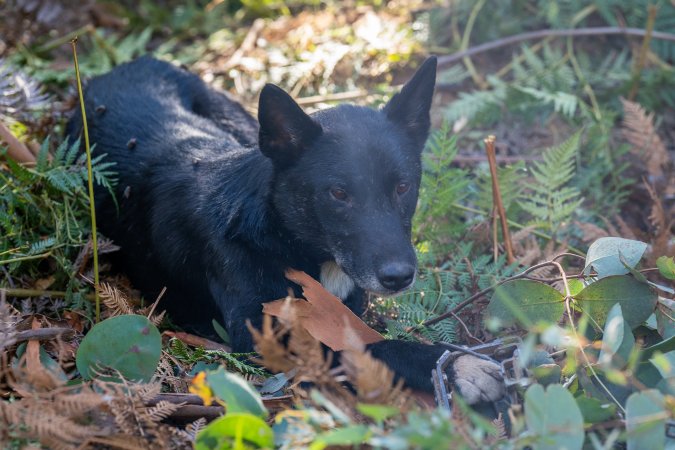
475,379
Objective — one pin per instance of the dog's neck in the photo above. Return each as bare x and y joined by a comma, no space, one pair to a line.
335,280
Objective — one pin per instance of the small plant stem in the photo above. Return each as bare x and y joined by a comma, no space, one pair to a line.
25,293
497,197
642,56
92,210
519,226
25,258
465,44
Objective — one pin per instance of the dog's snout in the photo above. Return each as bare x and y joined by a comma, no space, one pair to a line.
396,276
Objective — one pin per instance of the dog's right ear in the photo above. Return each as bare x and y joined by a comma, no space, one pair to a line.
285,129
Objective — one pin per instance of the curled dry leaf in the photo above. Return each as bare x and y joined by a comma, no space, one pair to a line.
323,315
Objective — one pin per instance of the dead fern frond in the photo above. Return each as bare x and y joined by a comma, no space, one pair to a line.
373,380
115,301
639,130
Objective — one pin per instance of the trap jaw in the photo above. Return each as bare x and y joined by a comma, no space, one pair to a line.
503,352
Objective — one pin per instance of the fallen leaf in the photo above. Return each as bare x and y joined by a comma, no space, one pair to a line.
323,315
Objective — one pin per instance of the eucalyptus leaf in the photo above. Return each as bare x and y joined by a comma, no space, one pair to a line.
554,417
646,420
595,410
129,344
238,395
235,431
527,302
666,266
617,340
637,299
603,255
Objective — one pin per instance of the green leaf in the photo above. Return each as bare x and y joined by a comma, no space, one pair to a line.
637,299
646,420
377,412
665,346
237,431
237,394
603,255
666,266
617,339
349,435
221,332
594,410
527,302
130,344
554,417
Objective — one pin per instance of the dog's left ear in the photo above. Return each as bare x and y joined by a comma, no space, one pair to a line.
285,129
410,107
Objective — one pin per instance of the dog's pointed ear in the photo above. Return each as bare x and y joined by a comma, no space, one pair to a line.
410,107
285,129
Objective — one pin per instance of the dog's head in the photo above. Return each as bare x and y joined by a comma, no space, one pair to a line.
347,178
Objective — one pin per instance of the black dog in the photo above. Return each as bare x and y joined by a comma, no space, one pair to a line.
216,207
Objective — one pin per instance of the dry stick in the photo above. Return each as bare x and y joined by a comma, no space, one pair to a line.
43,334
575,32
497,198
94,240
642,56
15,148
25,293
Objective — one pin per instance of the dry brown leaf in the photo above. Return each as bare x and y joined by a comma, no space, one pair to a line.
639,130
323,315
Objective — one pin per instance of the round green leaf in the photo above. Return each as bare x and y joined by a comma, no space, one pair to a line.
646,420
666,266
603,255
238,395
594,410
617,339
637,299
527,302
233,431
554,417
130,344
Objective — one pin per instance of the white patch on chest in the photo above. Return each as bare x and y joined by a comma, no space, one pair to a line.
335,280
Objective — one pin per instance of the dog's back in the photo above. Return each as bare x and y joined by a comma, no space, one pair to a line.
174,142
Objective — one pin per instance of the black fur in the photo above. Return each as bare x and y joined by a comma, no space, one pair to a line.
216,206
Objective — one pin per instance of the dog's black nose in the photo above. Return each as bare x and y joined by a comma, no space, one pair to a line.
396,275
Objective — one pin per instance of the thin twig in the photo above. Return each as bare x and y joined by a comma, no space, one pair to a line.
575,32
26,293
92,210
497,198
479,294
43,334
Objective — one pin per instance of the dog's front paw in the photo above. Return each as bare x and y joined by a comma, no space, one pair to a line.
477,380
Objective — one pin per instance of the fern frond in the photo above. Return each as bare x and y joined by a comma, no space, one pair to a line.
551,201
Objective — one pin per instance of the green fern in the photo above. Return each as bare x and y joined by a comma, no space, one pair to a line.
233,361
551,200
441,186
437,290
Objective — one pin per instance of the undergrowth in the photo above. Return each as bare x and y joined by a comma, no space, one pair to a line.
588,176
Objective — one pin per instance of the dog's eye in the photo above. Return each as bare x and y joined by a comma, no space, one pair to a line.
402,188
339,194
